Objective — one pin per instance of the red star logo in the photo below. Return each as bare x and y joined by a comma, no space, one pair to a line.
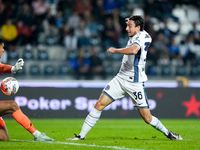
192,106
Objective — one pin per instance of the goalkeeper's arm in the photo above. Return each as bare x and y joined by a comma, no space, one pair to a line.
18,66
4,68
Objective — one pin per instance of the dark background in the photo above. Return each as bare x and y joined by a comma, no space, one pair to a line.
168,102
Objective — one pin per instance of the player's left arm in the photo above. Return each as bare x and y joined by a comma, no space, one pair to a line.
133,50
4,68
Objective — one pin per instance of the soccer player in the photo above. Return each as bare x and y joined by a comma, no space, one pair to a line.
11,107
130,80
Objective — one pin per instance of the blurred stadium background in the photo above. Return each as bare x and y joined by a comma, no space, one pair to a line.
64,43
52,35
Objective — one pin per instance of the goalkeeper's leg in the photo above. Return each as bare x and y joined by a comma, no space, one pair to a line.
11,107
3,130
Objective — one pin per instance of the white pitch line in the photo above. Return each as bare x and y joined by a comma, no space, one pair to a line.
78,144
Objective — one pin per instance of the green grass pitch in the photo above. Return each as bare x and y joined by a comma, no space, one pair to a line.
107,134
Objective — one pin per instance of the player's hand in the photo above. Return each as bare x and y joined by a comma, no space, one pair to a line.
18,66
111,50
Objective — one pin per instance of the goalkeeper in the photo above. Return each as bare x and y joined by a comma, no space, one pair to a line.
11,107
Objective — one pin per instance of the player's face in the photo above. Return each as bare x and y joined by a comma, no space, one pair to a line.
131,28
1,49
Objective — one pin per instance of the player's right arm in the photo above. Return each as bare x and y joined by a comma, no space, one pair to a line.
133,50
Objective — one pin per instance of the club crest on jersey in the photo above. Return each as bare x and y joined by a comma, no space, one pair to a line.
107,87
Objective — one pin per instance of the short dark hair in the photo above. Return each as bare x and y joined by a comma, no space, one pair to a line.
1,41
138,20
